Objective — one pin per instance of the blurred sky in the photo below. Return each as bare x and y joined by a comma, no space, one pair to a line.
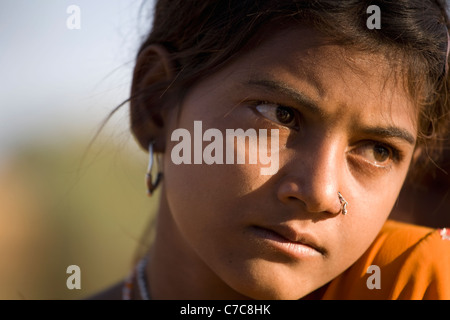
56,82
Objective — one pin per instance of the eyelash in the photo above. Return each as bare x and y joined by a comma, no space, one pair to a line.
297,115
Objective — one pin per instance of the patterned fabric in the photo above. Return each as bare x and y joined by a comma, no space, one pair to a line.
445,233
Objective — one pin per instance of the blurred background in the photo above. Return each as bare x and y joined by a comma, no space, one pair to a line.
57,85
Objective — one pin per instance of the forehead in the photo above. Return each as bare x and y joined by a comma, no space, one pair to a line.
340,78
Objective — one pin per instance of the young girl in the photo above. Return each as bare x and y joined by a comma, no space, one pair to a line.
338,101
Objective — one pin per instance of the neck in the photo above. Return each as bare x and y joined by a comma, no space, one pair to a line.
175,271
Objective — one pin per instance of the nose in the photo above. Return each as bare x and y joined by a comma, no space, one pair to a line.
312,178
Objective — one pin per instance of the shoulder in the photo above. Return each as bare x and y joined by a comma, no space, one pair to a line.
405,261
401,239
418,259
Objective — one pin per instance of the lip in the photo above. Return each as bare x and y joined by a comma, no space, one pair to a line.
289,241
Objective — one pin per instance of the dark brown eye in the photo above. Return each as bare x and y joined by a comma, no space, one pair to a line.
381,153
285,115
282,115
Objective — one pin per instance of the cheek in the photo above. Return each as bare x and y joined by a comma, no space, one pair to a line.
368,210
210,186
201,195
379,198
204,199
224,179
375,192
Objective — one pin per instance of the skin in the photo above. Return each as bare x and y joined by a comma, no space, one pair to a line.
206,246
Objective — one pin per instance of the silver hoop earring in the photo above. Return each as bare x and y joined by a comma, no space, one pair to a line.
344,204
151,185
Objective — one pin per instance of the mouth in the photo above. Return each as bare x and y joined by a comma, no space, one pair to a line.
288,241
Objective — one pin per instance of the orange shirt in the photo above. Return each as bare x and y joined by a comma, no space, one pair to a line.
413,261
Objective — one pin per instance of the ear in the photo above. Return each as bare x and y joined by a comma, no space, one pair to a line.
152,74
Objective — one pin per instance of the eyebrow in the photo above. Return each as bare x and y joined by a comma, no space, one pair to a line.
283,88
301,99
391,132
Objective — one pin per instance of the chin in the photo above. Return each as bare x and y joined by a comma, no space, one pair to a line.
269,284
276,292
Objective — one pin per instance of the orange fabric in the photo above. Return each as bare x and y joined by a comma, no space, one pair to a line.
414,264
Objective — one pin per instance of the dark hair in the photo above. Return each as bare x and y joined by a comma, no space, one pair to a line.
202,36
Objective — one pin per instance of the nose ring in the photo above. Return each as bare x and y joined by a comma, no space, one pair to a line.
344,204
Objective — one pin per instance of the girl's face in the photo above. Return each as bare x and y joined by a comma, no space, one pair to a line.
345,125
